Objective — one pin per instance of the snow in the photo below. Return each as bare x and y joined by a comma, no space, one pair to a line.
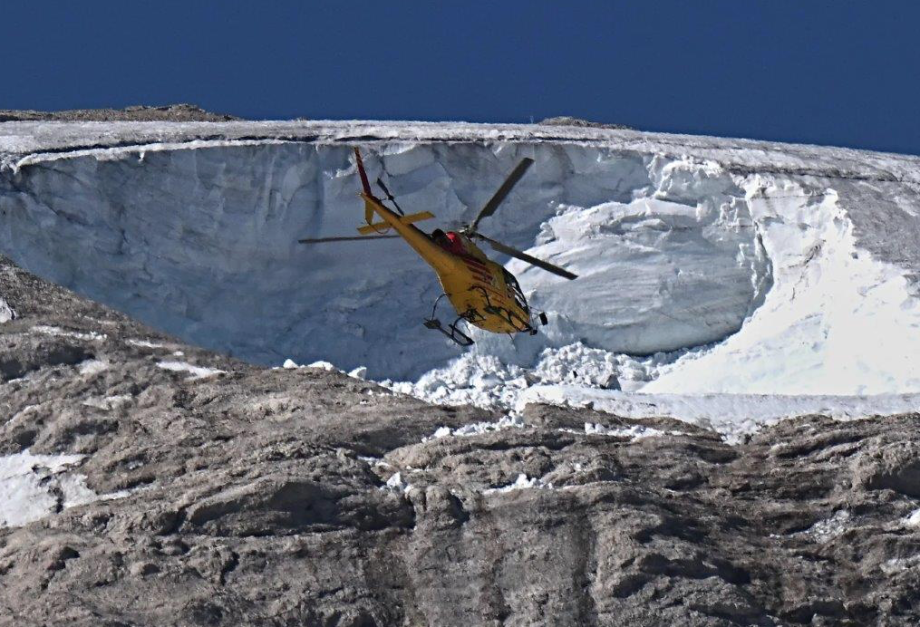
478,428
826,530
77,335
323,365
913,520
34,486
359,373
397,484
523,482
92,366
197,372
733,415
108,403
899,564
145,344
725,282
634,432
6,312
838,321
290,364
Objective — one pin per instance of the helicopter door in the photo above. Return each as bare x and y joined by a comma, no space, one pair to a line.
514,290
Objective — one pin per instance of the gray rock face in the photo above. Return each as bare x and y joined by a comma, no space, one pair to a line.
567,120
141,113
247,496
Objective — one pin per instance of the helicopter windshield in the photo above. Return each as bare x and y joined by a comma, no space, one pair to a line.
514,290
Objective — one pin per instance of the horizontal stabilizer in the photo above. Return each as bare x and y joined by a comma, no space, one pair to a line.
356,238
380,227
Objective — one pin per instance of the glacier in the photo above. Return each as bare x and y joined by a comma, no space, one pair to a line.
707,266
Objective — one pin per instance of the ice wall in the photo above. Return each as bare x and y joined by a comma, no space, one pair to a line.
202,243
678,242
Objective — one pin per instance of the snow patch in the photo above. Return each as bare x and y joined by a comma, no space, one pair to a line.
478,428
92,366
197,372
34,486
634,432
912,520
6,312
826,530
397,484
359,373
108,403
77,335
733,415
523,482
145,343
899,564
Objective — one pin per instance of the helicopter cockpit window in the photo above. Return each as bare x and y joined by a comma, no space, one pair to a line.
514,289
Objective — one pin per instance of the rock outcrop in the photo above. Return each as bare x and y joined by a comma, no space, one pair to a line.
140,113
237,495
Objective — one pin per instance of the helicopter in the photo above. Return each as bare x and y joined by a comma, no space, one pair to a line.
482,292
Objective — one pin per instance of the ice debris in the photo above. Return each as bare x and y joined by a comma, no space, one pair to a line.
397,484
478,428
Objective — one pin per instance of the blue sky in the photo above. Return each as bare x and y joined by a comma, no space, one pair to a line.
827,72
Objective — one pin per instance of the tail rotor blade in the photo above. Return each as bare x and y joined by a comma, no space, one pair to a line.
517,254
503,191
389,196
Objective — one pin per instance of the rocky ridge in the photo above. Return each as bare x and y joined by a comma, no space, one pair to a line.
140,113
244,495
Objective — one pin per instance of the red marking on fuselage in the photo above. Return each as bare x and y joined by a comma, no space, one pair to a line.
480,276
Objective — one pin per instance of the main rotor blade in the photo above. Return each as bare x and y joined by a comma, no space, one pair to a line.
499,195
320,240
514,252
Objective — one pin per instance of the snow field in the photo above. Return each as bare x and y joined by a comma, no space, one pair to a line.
836,322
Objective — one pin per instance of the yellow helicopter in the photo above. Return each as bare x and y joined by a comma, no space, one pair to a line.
482,292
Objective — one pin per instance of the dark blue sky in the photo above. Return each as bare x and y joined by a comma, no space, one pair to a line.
827,72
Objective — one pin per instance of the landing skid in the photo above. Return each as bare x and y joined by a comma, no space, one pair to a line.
455,334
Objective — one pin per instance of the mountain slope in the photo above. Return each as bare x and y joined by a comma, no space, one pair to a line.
227,494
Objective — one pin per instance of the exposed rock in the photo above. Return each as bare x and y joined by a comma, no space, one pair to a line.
172,113
567,120
258,496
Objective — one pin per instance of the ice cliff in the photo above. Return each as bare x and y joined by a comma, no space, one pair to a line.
706,265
